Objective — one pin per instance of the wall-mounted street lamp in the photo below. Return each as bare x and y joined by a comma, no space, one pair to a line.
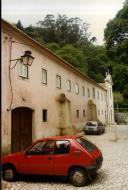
26,59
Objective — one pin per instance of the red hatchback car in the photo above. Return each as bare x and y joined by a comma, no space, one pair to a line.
72,156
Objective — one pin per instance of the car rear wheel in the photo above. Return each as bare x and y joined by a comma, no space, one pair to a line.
9,173
78,177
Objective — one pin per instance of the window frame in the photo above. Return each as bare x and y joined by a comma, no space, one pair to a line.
77,114
83,90
93,92
77,88
58,77
88,89
23,70
98,95
44,115
68,85
45,76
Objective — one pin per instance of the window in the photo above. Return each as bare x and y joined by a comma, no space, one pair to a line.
48,147
83,113
42,147
83,90
23,70
102,96
69,85
44,76
93,92
37,148
77,88
77,113
44,115
93,123
98,112
86,144
62,147
88,92
105,96
58,81
98,95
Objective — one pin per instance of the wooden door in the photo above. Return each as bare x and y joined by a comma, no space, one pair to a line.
21,131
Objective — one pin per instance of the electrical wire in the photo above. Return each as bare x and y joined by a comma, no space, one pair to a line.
9,70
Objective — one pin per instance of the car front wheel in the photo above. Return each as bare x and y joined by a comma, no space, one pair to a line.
78,177
9,173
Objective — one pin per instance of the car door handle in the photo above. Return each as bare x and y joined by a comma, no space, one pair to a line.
49,158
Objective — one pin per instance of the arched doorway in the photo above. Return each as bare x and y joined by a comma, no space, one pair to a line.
21,128
92,113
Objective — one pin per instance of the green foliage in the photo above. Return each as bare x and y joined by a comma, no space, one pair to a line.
120,77
96,60
116,36
125,92
53,46
73,56
63,30
118,98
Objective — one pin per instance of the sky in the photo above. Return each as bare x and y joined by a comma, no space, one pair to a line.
96,13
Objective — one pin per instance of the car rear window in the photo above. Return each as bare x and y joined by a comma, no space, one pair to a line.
86,144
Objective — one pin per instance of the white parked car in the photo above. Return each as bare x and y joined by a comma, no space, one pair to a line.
94,127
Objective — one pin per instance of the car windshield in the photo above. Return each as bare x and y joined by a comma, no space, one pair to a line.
86,144
91,124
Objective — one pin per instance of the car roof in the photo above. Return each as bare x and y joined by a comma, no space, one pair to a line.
92,121
61,137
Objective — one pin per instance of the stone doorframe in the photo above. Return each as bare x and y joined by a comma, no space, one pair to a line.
91,111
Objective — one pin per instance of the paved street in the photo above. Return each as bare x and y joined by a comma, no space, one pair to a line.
112,176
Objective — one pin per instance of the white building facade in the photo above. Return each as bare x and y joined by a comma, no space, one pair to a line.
48,98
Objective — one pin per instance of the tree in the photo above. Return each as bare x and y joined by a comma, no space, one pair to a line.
97,61
120,77
74,56
116,36
53,46
63,30
125,92
19,25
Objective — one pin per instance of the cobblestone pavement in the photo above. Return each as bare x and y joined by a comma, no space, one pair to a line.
112,176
